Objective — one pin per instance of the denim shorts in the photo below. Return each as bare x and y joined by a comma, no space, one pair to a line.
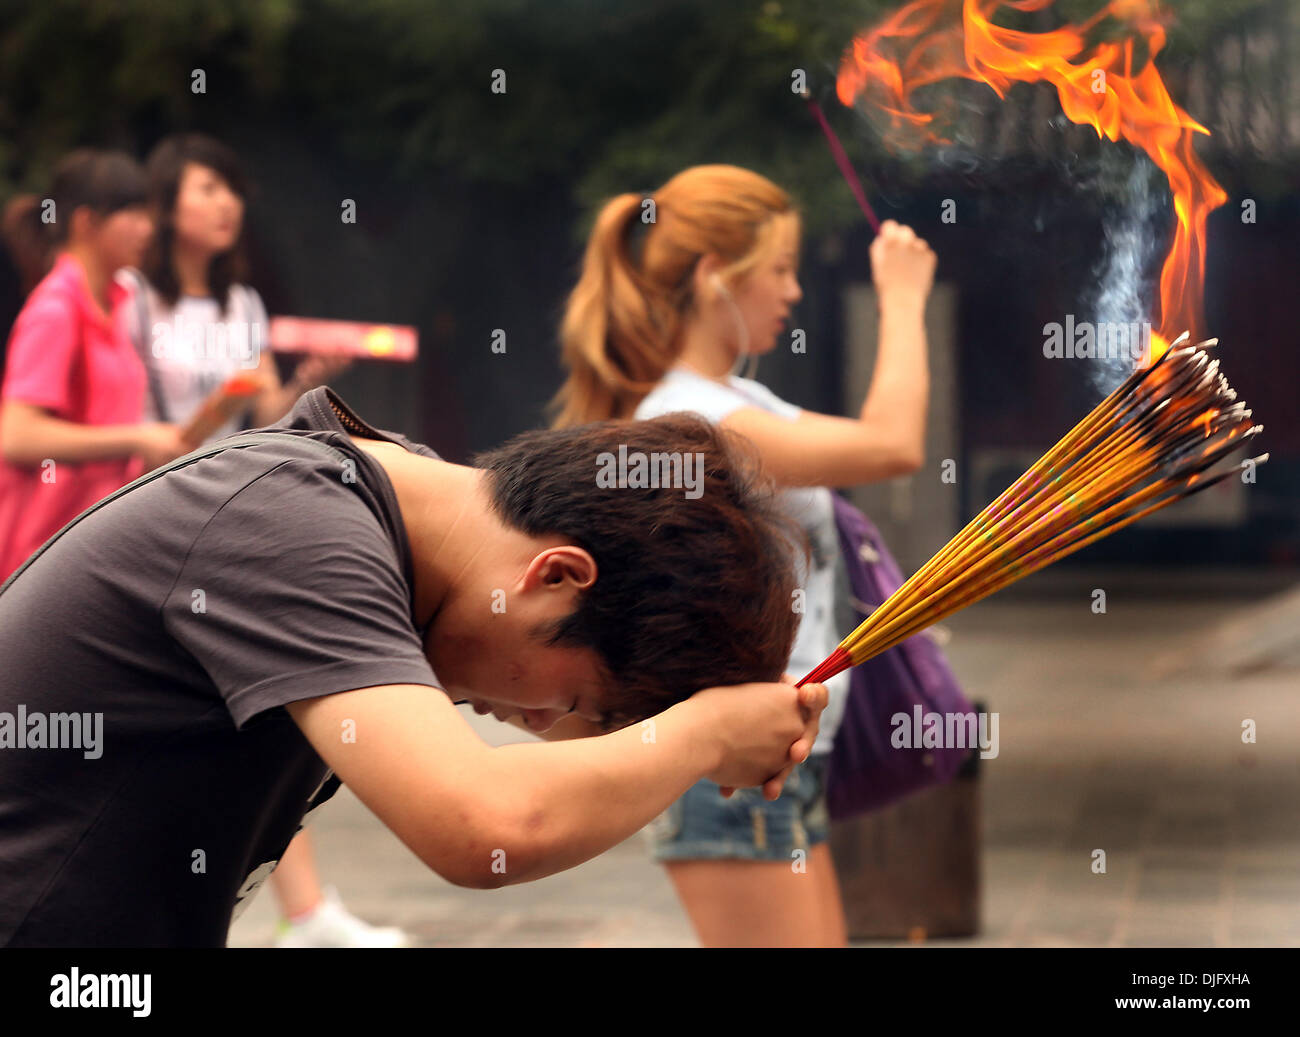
704,826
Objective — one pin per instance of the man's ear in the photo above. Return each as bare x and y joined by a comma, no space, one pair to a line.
558,567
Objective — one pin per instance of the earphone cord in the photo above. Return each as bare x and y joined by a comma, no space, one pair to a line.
744,341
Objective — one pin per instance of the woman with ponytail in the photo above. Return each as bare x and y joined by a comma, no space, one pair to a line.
73,392
677,292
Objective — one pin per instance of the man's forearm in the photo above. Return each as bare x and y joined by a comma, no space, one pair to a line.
562,730
571,801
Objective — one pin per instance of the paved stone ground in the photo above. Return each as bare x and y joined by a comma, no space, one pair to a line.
1103,744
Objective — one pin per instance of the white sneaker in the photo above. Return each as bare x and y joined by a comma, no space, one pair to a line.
331,925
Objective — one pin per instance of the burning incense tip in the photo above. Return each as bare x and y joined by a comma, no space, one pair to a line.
1152,442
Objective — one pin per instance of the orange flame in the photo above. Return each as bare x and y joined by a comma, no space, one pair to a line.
932,40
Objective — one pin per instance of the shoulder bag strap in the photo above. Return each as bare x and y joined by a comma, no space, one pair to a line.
141,348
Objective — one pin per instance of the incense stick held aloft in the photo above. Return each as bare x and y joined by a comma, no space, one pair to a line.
842,160
1150,443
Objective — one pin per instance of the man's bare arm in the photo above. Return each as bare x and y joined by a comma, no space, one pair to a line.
562,730
483,817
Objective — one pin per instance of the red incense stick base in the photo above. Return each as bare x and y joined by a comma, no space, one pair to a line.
837,662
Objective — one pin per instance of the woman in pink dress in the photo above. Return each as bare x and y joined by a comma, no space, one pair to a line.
73,389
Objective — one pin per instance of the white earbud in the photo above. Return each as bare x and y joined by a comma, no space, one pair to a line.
742,333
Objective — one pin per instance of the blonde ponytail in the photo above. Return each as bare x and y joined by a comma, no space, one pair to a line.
612,337
622,324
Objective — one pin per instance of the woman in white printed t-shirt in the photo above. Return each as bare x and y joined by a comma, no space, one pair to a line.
663,316
196,324
192,319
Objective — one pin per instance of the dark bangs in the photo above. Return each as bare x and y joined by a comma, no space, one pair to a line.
165,167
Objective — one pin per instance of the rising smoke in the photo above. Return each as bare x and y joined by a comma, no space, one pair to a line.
1133,236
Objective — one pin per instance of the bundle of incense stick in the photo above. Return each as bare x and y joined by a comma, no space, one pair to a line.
1150,443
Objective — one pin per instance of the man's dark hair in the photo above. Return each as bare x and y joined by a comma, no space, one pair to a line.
689,593
166,166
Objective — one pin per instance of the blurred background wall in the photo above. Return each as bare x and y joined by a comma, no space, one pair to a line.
472,204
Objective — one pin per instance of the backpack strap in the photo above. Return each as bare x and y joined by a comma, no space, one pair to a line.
229,443
143,310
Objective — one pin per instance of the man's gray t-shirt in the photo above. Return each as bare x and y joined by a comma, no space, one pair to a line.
188,612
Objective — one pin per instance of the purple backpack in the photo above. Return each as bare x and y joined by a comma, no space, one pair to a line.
866,771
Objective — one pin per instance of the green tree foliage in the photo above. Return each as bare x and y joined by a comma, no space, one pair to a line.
609,95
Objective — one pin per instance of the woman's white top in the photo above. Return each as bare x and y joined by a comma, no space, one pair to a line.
192,348
817,637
